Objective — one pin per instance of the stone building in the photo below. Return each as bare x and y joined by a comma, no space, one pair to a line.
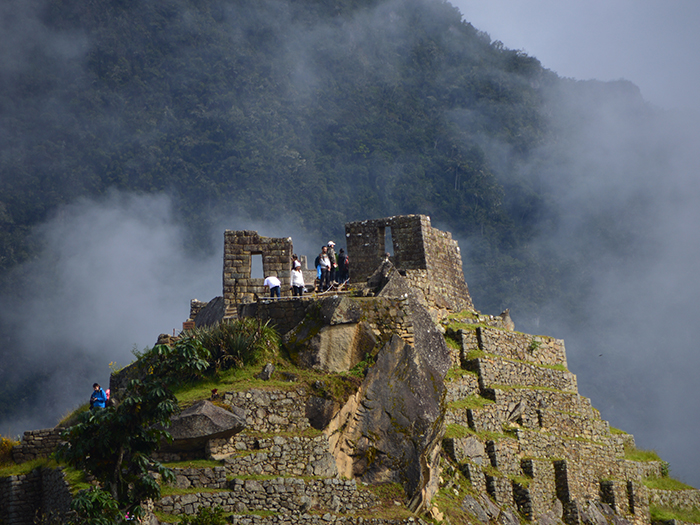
427,257
239,249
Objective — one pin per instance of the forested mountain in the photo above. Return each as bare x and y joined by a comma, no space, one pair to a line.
316,113
326,111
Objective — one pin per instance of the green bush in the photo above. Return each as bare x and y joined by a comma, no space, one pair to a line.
237,343
6,445
186,360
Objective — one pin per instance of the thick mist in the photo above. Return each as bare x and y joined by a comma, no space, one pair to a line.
110,276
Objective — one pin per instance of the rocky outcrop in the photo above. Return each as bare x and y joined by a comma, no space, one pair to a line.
194,427
392,428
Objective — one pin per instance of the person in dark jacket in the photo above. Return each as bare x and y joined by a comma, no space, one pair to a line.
98,399
343,266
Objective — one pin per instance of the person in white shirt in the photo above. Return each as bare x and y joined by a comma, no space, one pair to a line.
274,284
297,280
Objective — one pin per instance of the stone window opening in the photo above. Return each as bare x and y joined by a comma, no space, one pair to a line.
256,266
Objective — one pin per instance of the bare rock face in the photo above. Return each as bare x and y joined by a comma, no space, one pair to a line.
333,338
212,313
390,431
195,426
338,348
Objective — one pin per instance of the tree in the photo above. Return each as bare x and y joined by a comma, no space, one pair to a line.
115,444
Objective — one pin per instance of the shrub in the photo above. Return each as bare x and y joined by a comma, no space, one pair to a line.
238,343
186,360
6,445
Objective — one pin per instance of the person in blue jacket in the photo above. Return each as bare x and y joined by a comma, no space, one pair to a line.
98,399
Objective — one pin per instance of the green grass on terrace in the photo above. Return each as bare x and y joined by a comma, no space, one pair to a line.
666,483
659,514
636,454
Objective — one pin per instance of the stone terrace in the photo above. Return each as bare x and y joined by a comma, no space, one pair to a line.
554,447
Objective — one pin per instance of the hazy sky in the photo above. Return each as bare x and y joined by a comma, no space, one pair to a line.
653,43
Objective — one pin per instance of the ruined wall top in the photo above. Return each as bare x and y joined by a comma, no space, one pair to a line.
239,248
428,257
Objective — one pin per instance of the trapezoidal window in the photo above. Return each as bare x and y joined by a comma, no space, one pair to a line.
388,241
256,266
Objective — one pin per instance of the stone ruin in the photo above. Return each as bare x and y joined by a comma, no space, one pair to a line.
494,418
428,258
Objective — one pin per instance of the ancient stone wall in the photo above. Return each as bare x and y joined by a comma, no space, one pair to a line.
679,499
278,456
285,495
429,258
36,444
41,492
239,248
321,519
271,410
210,477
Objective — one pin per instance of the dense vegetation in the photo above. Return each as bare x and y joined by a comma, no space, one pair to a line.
311,112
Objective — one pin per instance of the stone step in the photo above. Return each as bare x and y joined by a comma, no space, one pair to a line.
282,495
462,386
537,398
536,349
272,411
572,425
588,462
495,372
280,456
521,406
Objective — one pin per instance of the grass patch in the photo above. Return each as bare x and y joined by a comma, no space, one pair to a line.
668,514
457,431
26,467
77,480
458,373
391,501
665,483
71,418
617,431
469,402
523,481
449,501
453,343
636,454
474,354
195,463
